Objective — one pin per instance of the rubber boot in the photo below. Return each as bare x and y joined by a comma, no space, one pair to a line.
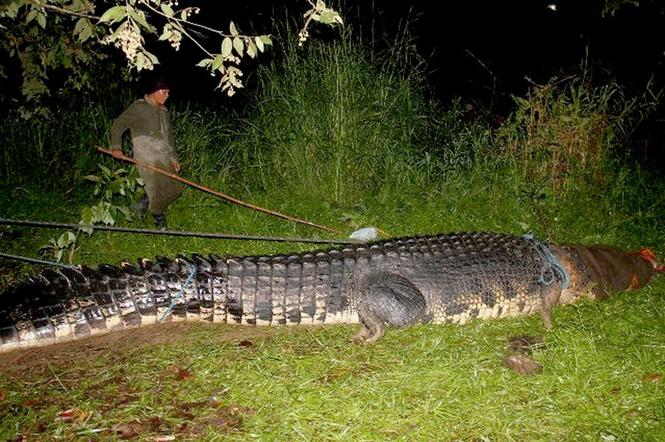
141,208
160,221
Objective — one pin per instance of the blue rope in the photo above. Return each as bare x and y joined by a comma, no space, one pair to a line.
552,264
37,261
179,295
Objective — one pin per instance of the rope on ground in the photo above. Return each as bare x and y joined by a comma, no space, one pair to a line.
46,224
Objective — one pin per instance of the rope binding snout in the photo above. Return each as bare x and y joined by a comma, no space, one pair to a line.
650,257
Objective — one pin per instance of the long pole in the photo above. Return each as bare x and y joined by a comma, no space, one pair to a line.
220,194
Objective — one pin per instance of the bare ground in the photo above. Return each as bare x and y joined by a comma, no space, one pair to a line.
120,342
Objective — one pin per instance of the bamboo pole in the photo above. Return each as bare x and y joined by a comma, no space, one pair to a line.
220,194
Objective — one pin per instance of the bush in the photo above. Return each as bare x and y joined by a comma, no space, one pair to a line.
566,132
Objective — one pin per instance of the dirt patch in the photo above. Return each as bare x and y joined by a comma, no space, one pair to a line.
122,342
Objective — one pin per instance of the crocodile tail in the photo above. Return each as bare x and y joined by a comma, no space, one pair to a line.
62,304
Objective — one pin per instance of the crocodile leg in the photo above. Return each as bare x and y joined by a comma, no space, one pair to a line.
387,299
549,301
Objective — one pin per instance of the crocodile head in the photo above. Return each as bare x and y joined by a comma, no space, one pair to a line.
598,271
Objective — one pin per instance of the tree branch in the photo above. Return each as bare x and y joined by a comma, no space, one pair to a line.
64,10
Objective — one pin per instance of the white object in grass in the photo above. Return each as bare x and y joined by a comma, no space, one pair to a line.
365,234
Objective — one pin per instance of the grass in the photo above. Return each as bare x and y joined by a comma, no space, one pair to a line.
602,378
343,138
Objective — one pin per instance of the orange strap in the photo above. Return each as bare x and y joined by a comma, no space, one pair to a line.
651,258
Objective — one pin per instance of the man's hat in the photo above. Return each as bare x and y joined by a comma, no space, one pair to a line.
156,82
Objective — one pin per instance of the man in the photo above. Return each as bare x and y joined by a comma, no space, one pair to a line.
152,143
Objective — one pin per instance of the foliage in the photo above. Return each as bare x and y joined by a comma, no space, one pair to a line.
52,35
55,55
612,7
63,146
569,128
116,189
56,248
338,119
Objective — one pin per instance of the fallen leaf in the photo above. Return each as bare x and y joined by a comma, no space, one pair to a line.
155,423
524,344
183,374
179,373
125,431
73,414
523,365
653,377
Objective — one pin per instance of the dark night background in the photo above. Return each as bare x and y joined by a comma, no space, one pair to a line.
514,39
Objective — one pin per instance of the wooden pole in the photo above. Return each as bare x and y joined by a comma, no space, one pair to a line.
220,194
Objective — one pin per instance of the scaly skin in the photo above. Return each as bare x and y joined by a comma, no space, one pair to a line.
400,282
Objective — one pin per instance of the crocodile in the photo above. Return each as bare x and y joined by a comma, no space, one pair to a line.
446,278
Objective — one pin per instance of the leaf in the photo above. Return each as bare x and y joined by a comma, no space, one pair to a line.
227,46
140,19
83,29
87,229
233,30
31,16
217,62
114,14
125,212
204,63
140,62
93,178
12,10
66,239
71,237
87,215
251,49
266,40
73,414
239,46
108,218
166,9
41,20
166,33
151,56
329,17
259,43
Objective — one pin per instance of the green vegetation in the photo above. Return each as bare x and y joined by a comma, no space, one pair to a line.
341,137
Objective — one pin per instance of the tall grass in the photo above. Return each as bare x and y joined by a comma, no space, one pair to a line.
347,135
570,132
54,151
337,121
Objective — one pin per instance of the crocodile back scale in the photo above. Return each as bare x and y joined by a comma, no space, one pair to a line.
442,278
